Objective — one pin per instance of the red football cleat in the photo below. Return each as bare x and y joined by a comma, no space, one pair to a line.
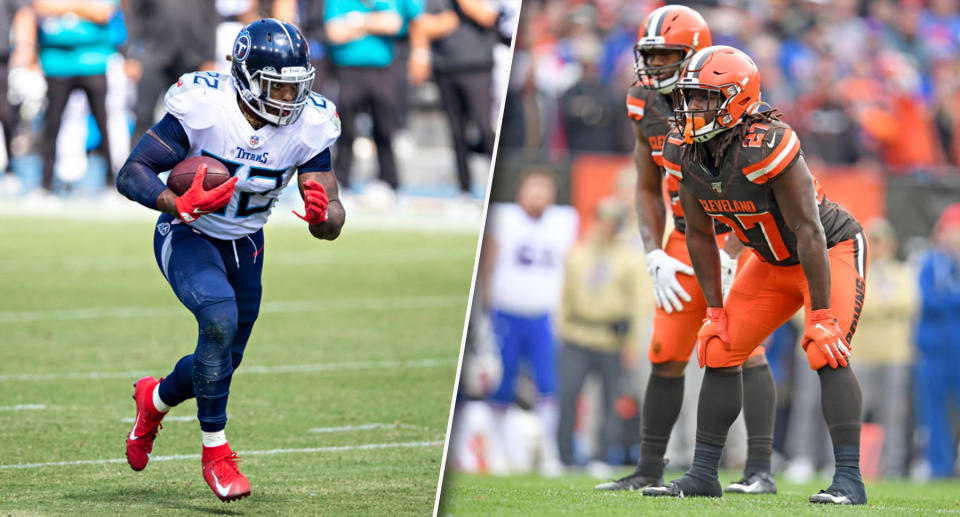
145,426
221,473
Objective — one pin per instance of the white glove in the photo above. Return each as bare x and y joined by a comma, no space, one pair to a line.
728,271
667,291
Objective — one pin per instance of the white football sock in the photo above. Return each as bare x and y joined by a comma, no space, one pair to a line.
158,402
549,416
214,439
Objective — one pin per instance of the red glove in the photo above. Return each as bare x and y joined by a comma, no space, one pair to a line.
196,201
315,203
823,332
714,328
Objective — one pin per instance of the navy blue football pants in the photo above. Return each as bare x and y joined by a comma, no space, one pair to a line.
219,282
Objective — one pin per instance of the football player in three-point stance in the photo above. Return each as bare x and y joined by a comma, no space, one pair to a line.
263,122
744,168
668,38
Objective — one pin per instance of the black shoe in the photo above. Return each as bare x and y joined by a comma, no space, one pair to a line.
753,483
687,486
842,491
635,481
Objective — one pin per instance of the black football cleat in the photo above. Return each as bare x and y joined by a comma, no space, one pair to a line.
634,481
686,486
753,483
843,491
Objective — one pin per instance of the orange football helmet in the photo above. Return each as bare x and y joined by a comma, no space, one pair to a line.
720,80
671,27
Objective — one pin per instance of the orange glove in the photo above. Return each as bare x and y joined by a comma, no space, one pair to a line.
823,332
315,203
196,201
714,328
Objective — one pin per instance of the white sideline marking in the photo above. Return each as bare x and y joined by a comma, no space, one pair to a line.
20,407
291,368
269,452
361,427
128,420
412,302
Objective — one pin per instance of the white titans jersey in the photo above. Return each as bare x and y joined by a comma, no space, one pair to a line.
527,276
265,159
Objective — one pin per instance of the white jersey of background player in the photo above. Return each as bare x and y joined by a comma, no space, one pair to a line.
264,160
527,274
524,254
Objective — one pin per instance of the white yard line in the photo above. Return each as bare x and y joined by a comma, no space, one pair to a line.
359,427
270,452
21,407
129,420
342,304
291,368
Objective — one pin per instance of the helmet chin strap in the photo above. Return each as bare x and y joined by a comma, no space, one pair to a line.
666,86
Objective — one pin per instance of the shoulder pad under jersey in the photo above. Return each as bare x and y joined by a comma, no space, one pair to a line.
672,153
768,149
319,123
196,97
637,98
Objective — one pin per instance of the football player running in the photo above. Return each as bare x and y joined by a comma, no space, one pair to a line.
668,38
745,168
263,122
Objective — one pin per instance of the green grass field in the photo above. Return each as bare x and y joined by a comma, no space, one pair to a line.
573,494
358,338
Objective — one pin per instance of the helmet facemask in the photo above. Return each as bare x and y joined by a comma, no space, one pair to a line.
661,78
694,122
261,84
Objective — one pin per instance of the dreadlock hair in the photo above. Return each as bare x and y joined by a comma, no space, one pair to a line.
697,151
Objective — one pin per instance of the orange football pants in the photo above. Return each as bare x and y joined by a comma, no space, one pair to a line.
764,296
675,335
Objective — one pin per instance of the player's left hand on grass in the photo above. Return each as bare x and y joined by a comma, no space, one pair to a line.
824,333
315,203
714,329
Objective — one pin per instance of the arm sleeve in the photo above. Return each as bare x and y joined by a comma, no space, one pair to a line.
319,163
138,179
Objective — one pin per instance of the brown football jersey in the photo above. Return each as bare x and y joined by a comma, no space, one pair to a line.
739,193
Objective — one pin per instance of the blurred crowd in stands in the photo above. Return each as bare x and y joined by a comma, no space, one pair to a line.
863,82
89,75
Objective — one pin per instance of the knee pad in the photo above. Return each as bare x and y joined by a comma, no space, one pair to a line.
218,326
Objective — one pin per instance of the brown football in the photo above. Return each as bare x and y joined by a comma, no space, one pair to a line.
181,176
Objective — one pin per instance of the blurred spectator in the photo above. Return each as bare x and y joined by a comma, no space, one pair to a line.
521,276
882,357
598,323
167,39
463,70
592,112
15,51
361,36
938,347
75,39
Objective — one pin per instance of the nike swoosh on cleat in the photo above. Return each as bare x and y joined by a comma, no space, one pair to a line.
222,490
136,422
771,142
751,487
